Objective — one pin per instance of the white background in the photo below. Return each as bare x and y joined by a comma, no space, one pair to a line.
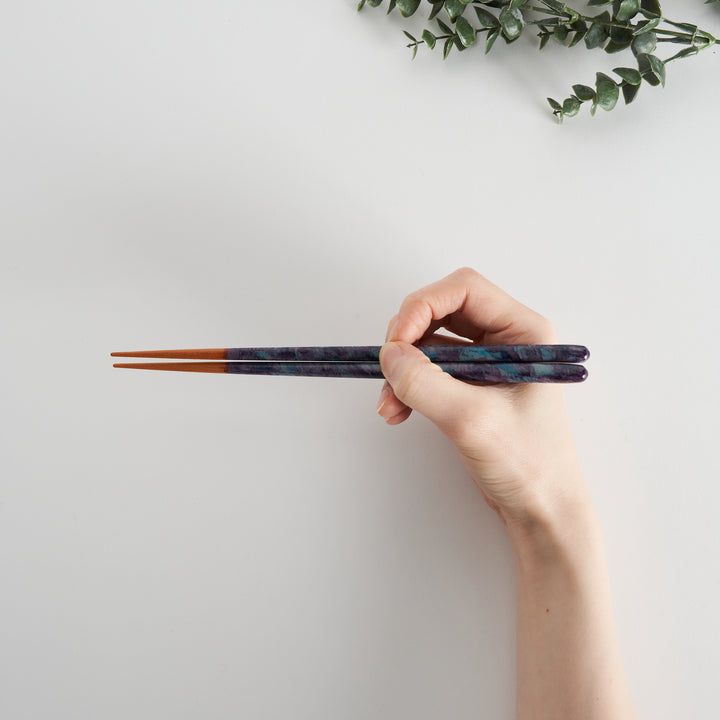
217,173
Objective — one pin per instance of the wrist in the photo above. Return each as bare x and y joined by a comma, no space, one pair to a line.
568,657
563,532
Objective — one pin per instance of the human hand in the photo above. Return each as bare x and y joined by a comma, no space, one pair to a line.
514,439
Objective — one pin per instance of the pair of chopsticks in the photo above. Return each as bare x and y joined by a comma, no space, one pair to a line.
488,363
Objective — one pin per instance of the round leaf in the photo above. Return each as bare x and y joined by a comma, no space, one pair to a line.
652,69
407,7
644,44
571,106
596,36
629,75
607,92
651,7
584,93
629,92
628,10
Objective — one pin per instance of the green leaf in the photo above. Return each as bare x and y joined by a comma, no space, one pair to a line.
487,19
447,47
614,47
391,6
644,44
465,31
580,29
409,36
556,108
607,92
629,75
686,52
558,7
454,8
407,7
493,35
428,39
647,26
597,34
571,106
512,23
620,39
629,92
652,69
445,28
584,93
560,34
436,8
651,7
628,9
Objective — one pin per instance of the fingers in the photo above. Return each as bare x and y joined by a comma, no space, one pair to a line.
469,305
399,417
389,407
422,385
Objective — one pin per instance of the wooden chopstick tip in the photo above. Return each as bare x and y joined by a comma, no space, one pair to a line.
206,367
184,354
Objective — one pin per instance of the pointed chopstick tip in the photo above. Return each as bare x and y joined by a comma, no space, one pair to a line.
186,354
204,367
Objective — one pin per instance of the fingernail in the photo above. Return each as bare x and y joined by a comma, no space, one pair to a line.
384,397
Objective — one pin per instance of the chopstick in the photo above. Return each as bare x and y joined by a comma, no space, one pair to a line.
371,353
490,363
484,372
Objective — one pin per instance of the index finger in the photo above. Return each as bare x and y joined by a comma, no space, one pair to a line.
469,305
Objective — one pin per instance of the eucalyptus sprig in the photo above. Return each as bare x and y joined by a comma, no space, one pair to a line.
637,25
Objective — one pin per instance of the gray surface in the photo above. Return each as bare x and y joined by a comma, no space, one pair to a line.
203,174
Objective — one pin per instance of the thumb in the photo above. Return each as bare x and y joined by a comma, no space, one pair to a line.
421,384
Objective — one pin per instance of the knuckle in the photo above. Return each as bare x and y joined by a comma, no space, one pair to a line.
546,330
416,310
392,322
411,300
467,273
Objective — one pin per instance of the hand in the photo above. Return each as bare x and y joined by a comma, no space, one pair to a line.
514,439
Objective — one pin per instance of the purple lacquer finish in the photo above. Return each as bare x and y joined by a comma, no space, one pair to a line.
437,353
478,372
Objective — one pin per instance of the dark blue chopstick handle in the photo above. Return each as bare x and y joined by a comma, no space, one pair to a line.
469,372
437,353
